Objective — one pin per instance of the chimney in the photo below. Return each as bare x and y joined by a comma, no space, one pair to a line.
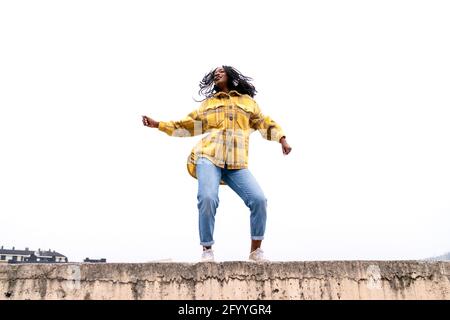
2,247
26,249
13,248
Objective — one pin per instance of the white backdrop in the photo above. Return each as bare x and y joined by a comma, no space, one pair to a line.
361,89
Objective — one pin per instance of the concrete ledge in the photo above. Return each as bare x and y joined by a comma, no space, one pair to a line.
228,280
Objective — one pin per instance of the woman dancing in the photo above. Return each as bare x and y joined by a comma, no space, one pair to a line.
229,114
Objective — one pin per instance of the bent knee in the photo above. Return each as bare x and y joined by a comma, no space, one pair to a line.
208,198
257,200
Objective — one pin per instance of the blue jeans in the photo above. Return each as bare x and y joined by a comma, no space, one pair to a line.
239,180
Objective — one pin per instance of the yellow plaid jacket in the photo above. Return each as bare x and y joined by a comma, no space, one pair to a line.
229,118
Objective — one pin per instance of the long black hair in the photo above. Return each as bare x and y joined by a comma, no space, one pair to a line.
236,81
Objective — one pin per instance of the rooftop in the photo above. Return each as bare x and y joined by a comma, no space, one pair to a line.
27,252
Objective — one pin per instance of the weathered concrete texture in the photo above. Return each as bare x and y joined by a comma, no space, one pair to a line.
228,280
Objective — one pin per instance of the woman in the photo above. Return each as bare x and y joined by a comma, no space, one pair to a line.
229,114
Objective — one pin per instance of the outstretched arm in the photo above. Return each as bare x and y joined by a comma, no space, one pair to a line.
269,129
191,125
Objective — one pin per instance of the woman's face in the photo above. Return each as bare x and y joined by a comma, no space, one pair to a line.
220,77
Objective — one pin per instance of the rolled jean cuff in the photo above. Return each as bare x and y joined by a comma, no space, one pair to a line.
257,237
207,244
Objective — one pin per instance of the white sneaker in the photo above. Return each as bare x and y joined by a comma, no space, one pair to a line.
257,256
208,255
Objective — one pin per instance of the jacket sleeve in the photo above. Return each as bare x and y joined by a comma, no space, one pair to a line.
268,128
191,125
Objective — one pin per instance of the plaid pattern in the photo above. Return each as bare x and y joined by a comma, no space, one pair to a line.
229,119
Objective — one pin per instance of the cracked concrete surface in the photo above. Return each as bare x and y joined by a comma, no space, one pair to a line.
228,280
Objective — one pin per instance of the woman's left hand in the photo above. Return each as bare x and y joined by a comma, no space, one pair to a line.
285,147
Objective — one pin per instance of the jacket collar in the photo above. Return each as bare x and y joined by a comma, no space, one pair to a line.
221,94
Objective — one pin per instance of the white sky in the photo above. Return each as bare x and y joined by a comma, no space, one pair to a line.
361,89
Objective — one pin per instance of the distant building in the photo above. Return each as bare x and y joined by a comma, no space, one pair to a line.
95,260
30,256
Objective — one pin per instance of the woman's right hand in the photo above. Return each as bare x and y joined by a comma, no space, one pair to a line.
149,122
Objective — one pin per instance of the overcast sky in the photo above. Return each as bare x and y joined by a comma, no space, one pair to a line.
361,89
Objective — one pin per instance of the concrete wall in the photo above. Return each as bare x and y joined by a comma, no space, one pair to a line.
228,280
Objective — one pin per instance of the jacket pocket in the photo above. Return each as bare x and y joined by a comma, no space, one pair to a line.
215,116
243,113
244,108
